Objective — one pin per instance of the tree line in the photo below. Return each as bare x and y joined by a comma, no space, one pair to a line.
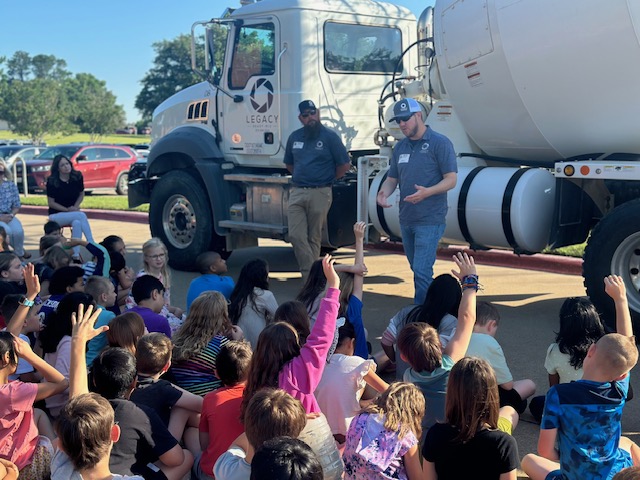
39,96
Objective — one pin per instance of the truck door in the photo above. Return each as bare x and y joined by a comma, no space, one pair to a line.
252,126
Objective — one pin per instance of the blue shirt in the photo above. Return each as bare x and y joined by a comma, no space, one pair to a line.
9,197
97,344
587,415
315,159
208,282
423,162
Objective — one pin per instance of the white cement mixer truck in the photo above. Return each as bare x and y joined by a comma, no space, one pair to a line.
539,98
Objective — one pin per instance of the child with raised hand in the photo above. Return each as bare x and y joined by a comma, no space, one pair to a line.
343,382
145,446
86,426
439,310
352,282
279,361
382,441
583,417
20,442
419,345
580,327
472,443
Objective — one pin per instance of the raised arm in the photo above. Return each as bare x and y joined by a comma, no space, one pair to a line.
82,331
55,381
32,283
614,286
457,347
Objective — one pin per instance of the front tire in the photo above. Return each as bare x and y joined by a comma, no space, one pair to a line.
180,215
122,184
614,248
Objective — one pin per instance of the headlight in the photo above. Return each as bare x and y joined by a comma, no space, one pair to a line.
41,168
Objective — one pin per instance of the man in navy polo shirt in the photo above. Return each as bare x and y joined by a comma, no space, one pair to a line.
315,156
424,165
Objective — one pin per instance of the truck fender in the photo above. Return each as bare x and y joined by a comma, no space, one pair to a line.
189,147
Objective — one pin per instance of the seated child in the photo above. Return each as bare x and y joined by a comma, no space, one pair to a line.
86,433
419,346
484,345
177,408
145,446
220,421
473,442
583,417
212,268
20,441
270,413
122,278
104,295
53,228
64,280
125,330
382,441
285,457
148,293
343,382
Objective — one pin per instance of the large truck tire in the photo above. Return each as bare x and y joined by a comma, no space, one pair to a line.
614,248
180,215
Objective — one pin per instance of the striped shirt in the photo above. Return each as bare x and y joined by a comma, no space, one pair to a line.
196,375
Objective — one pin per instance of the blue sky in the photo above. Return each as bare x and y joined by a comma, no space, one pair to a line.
111,40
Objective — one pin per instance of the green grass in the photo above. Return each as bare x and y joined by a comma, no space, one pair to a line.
97,201
570,251
79,137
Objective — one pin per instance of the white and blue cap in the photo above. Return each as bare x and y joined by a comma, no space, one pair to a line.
404,109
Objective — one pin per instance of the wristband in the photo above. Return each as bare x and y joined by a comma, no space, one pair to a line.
25,302
470,282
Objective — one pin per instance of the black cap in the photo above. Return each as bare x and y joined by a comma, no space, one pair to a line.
306,105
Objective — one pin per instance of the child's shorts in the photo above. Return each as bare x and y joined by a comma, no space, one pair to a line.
40,466
505,425
555,475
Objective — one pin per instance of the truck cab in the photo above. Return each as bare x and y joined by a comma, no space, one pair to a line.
215,176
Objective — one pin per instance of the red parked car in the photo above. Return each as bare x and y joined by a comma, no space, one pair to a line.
102,166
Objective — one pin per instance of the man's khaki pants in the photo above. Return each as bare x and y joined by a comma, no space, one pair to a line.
308,209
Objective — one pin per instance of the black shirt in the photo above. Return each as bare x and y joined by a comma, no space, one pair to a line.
143,438
65,193
485,457
157,394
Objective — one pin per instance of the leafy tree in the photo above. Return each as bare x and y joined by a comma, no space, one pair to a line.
36,107
171,71
19,66
93,108
48,66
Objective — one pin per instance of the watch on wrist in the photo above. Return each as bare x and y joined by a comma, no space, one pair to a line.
25,302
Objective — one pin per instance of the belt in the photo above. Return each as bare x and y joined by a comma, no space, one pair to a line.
314,186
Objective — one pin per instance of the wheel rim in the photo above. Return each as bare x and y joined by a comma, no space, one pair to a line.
626,263
124,183
179,221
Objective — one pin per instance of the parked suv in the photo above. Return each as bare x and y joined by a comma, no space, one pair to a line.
102,166
9,153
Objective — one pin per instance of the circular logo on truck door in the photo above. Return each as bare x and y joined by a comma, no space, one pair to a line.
262,95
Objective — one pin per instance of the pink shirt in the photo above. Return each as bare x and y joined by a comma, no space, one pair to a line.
301,376
18,431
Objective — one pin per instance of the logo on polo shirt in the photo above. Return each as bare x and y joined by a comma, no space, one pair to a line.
425,147
319,145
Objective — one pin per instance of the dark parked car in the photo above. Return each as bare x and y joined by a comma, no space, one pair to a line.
102,166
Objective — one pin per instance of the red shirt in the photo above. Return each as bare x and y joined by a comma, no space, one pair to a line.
220,418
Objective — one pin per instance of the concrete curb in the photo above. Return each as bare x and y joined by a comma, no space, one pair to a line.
111,215
498,258
503,258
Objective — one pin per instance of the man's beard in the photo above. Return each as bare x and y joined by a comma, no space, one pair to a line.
311,131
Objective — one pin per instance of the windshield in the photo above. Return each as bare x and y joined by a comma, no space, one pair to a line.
66,150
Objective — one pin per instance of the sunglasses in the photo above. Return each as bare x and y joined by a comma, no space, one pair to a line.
308,113
403,119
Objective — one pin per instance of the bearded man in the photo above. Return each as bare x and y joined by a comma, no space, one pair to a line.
315,156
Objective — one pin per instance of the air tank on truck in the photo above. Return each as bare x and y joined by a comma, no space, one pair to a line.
540,99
